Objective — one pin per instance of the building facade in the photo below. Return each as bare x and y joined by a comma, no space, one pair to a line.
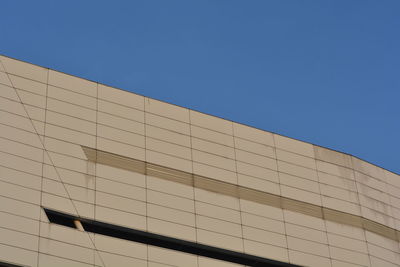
91,175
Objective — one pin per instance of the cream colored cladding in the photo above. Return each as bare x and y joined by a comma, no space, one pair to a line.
97,152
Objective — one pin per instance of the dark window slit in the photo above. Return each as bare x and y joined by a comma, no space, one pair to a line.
163,241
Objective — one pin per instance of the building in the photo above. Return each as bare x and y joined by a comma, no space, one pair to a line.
91,175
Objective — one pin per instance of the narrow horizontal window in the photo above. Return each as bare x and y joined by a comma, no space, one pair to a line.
160,240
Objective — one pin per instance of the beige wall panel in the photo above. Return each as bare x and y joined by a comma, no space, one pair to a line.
20,178
8,92
84,209
304,220
349,256
13,107
341,205
168,124
19,193
70,122
171,229
62,147
120,148
253,134
171,257
381,241
347,243
35,113
65,250
213,160
168,161
211,122
129,138
71,109
120,175
18,255
58,203
263,223
68,176
300,183
335,192
166,110
377,217
368,169
294,146
265,237
121,97
337,181
120,203
80,193
169,187
21,150
212,136
206,262
216,199
335,170
51,261
305,196
31,99
72,83
392,178
258,172
261,210
218,226
110,259
72,97
345,230
306,233
370,181
308,246
215,173
379,262
168,136
179,203
168,148
54,187
299,171
24,69
170,215
387,255
119,246
214,148
70,163
121,218
18,239
265,250
332,156
256,159
295,159
121,189
220,240
258,184
375,199
18,163
218,212
39,128
4,79
20,136
16,121
28,85
19,223
19,208
256,148
120,111
65,234
337,263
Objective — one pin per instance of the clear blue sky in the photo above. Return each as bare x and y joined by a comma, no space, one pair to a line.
326,72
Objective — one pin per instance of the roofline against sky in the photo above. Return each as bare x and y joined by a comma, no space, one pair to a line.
335,150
